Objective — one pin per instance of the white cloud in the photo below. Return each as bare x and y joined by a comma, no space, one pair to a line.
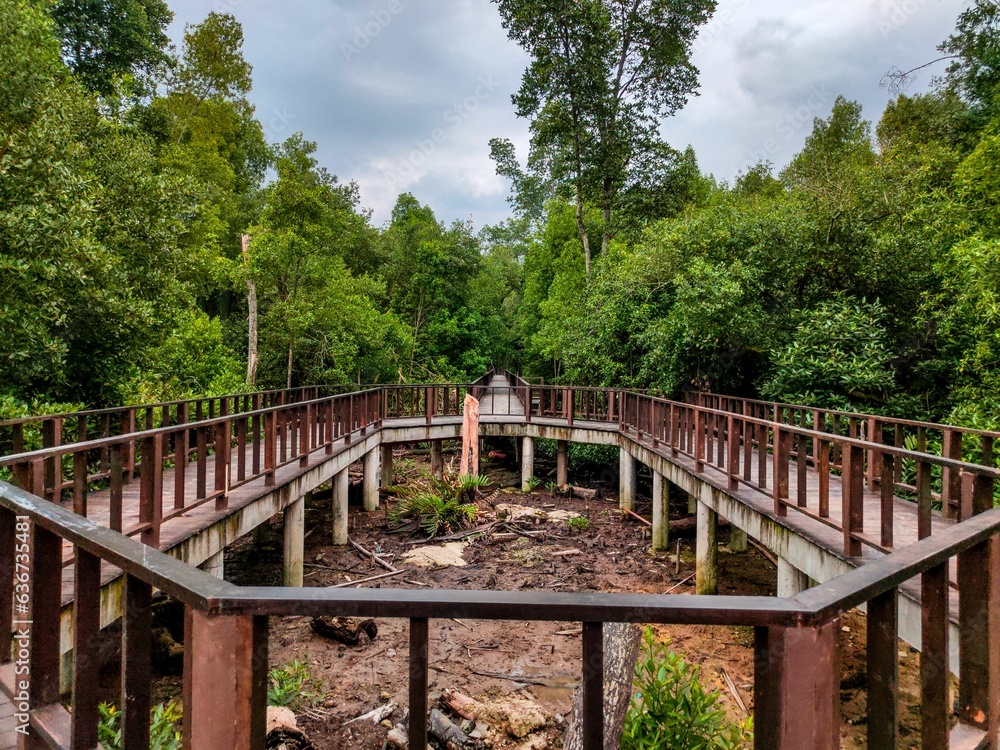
768,68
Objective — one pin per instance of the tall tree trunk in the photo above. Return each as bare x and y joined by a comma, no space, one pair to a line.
582,228
253,356
606,215
291,351
621,649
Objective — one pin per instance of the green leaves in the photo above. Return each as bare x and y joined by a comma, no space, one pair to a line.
672,709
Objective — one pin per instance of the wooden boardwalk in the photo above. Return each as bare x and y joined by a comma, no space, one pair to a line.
501,405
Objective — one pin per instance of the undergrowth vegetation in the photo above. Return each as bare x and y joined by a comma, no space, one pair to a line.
673,709
436,506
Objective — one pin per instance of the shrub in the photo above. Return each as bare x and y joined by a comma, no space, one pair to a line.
673,709
293,686
438,504
164,733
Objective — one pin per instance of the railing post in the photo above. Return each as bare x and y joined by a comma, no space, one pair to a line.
782,445
181,448
852,497
270,448
699,438
223,456
887,496
874,465
797,688
935,706
883,671
428,406
593,686
46,603
979,614
951,479
86,652
305,430
419,670
569,404
225,681
8,527
52,438
151,490
733,467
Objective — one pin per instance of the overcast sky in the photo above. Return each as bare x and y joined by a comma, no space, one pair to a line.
404,95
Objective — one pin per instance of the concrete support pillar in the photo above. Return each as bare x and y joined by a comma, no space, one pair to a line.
295,522
737,540
692,505
707,552
661,516
527,462
627,480
388,478
341,486
562,463
215,565
791,580
437,460
262,534
371,480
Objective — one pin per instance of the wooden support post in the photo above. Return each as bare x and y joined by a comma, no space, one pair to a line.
216,565
779,490
562,463
419,680
341,487
797,688
707,551
225,681
371,480
593,686
527,462
294,547
661,516
627,479
791,580
387,477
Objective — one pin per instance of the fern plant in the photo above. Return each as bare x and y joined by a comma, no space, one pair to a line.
438,505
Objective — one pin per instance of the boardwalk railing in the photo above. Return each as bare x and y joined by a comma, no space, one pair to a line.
947,441
768,449
797,676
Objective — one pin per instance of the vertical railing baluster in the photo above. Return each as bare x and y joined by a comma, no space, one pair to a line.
46,604
80,482
419,673
241,449
801,471
883,671
593,686
935,707
223,456
151,490
270,448
823,475
782,449
887,499
137,663
8,526
852,490
116,461
733,468
951,479
924,500
181,456
201,440
86,649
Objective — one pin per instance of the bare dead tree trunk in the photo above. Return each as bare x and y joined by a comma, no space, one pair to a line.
621,649
291,352
253,356
582,228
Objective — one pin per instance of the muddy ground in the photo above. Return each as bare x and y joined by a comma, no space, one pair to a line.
495,662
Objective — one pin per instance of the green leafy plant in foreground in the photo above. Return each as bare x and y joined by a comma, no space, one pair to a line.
293,686
672,709
164,731
579,523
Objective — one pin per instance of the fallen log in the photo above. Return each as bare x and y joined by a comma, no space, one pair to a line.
344,629
370,579
371,556
585,493
377,716
444,729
